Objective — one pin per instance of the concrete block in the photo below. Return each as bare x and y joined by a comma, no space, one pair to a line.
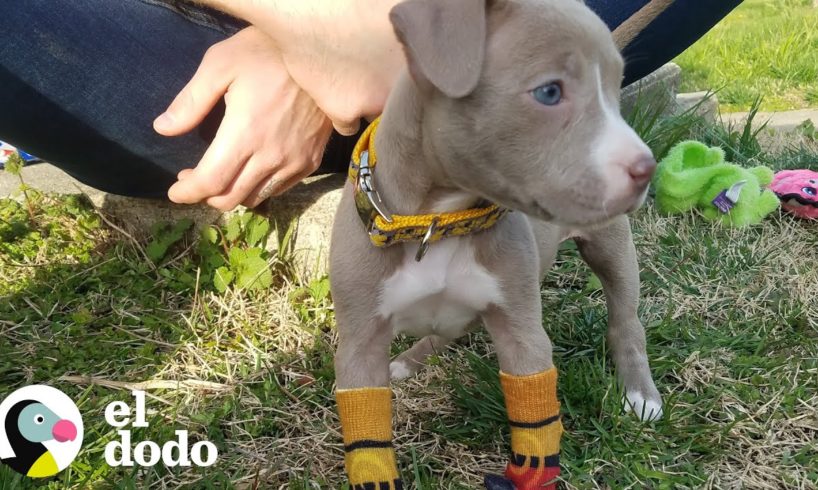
660,87
780,128
706,104
135,215
311,203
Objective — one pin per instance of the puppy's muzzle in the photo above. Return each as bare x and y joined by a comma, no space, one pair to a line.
642,170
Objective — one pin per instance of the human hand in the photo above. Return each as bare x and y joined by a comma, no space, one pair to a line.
344,53
272,134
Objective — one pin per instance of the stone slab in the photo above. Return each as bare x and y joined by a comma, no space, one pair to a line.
706,104
780,130
311,203
136,215
659,87
42,176
779,121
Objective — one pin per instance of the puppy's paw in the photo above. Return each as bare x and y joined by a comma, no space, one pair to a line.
399,370
496,482
646,409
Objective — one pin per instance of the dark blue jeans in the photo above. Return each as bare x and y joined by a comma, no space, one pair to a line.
82,80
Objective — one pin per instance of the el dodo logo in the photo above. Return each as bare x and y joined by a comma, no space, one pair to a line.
41,434
40,431
149,453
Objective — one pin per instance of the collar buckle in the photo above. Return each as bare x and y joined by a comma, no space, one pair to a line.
367,200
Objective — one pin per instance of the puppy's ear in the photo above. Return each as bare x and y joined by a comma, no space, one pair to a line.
445,42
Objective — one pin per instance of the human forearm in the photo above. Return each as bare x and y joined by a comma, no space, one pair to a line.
283,18
344,53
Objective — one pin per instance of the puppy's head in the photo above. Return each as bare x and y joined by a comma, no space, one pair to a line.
521,105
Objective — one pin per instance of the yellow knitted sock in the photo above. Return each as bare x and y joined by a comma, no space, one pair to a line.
534,416
366,421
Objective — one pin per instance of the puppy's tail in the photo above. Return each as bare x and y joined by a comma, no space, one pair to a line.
628,30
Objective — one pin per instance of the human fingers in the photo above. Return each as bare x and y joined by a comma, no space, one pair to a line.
248,180
275,185
219,166
197,99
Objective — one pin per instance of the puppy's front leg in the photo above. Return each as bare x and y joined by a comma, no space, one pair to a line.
612,256
365,405
529,382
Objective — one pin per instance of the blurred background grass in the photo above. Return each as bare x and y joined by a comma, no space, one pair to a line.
764,48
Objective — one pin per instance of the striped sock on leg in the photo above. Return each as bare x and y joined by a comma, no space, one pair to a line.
534,416
366,420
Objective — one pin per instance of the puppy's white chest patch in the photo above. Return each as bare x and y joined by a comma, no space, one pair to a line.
442,294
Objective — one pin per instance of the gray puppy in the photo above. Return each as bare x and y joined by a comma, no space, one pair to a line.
516,103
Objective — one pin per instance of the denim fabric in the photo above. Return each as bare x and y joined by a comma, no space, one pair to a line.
82,80
674,31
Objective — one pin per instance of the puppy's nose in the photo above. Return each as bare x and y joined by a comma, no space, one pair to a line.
642,170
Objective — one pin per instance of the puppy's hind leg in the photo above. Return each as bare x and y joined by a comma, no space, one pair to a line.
409,362
612,256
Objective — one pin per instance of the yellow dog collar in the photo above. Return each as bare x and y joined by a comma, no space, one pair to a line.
387,229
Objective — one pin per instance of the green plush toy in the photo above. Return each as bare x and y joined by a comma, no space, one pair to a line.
694,175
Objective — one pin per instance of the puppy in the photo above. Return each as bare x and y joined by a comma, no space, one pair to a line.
503,138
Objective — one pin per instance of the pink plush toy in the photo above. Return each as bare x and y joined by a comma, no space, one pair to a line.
798,191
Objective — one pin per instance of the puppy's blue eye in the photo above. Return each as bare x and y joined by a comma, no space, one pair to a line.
809,190
548,94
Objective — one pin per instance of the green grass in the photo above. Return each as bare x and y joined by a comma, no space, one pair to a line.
731,319
764,48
